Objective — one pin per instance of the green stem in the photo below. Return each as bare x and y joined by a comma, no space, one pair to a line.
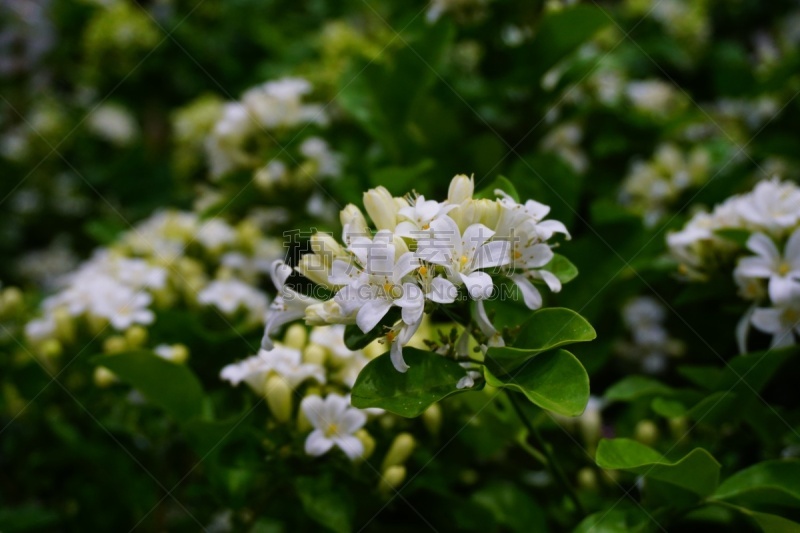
552,463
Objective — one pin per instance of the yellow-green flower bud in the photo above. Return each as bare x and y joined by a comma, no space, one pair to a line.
315,354
381,208
392,478
11,301
50,348
399,451
461,189
296,336
136,336
587,478
646,432
352,217
104,377
432,418
115,344
65,325
279,398
180,353
368,442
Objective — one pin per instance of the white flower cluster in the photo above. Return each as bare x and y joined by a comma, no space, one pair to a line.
652,186
261,114
650,344
654,97
319,360
162,261
770,214
420,255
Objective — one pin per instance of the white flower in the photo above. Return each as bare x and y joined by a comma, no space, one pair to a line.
526,218
281,360
419,216
530,255
215,234
463,256
373,281
289,305
772,205
334,423
332,338
783,272
138,273
230,295
113,123
782,321
125,308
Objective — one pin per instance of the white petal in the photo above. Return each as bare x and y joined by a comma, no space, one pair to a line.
530,294
768,320
442,291
405,264
350,445
763,246
742,328
317,443
754,267
475,235
352,420
371,313
312,407
538,255
342,272
792,250
396,353
479,285
552,281
782,339
493,254
781,289
547,228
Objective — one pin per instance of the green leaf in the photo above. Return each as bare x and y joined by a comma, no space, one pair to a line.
697,472
614,520
430,378
562,267
768,486
561,33
502,183
325,503
553,380
752,371
172,387
634,387
667,408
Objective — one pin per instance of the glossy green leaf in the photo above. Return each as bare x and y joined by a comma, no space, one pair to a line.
430,378
171,386
511,507
633,387
752,371
667,408
697,472
614,520
764,486
562,267
553,380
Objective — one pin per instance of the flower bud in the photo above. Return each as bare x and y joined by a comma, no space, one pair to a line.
324,245
646,432
313,267
50,348
587,478
279,398
104,377
315,354
368,442
678,426
303,425
487,212
248,234
115,344
11,300
399,451
381,208
392,478
590,422
96,324
296,336
65,325
432,418
461,189
136,336
353,220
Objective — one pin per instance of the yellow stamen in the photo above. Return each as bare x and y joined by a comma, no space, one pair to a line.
784,268
390,336
464,259
426,226
387,288
423,270
517,254
331,430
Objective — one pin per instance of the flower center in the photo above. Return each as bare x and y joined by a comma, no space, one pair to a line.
463,260
517,254
784,268
390,336
332,430
791,316
423,270
426,226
